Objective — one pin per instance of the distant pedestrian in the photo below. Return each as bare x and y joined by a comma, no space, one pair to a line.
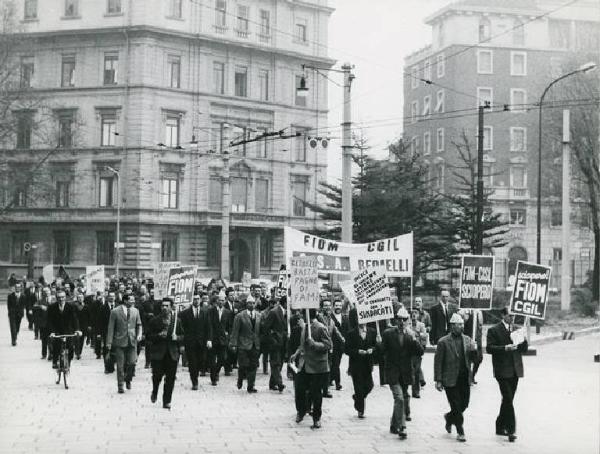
197,332
441,314
451,373
245,340
361,345
421,335
274,329
507,362
16,304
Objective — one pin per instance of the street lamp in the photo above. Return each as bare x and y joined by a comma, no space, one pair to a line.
582,69
116,173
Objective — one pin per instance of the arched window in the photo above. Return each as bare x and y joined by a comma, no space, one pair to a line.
484,29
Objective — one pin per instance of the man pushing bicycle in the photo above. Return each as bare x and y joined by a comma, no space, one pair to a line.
62,319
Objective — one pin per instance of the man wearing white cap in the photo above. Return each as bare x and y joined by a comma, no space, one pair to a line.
399,345
451,373
245,338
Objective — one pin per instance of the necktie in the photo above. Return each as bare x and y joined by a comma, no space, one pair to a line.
196,313
128,314
252,318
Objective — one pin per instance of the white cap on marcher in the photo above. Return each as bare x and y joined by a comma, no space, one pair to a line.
456,318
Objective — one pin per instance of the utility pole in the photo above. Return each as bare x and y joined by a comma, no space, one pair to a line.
479,220
118,243
347,157
225,221
565,275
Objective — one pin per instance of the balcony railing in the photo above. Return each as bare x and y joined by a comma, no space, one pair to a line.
503,193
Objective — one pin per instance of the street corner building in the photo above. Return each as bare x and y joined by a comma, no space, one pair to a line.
177,117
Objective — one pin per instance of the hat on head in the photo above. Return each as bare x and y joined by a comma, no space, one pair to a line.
250,299
402,313
456,318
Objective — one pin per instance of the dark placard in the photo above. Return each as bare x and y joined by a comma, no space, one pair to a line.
476,282
530,292
181,284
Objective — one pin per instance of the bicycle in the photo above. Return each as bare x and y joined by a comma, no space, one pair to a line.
63,358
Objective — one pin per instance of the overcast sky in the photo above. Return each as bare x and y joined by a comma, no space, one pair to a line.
375,36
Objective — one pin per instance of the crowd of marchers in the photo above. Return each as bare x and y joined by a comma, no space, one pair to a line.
222,330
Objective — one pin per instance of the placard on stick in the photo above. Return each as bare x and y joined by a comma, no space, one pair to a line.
476,282
181,284
304,283
530,292
373,299
161,278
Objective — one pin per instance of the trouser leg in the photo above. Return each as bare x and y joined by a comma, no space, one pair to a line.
276,362
130,361
406,398
170,366
252,367
335,367
120,360
158,371
316,382
44,333
506,417
398,416
416,386
300,390
12,321
193,357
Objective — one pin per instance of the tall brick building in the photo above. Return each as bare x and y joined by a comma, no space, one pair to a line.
156,90
500,51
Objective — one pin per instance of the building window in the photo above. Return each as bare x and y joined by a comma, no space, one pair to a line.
239,194
263,81
24,129
518,216
219,78
111,65
71,8
485,96
108,130
62,194
266,251
262,145
172,131
518,63
441,66
175,9
20,196
555,217
440,140
427,106
299,197
169,193
560,33
27,69
107,191
414,78
169,247
265,23
414,146
300,147
518,100
427,70
18,246
438,177
518,32
242,20
239,134
215,194
221,13
62,247
105,248
262,195
241,81
488,180
174,68
440,101
113,7
488,138
414,111
30,9
65,130
68,71
213,248
427,143
518,177
300,97
557,254
518,139
300,31
441,36
485,62
485,29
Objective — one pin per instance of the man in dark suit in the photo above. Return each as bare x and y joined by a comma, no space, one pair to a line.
197,337
441,314
315,344
275,332
245,339
451,373
124,332
40,321
507,362
222,323
166,335
399,345
102,310
16,304
341,325
62,319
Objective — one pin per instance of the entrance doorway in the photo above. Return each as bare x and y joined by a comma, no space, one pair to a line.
239,255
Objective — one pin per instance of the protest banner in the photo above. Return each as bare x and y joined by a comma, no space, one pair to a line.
161,278
392,256
348,289
94,279
48,273
476,282
373,299
304,283
246,279
181,284
530,292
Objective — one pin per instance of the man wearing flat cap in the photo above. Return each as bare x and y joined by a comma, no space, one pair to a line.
452,373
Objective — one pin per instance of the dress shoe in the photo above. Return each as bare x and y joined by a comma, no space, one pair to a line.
512,438
393,430
501,432
423,383
299,418
448,425
167,406
228,374
54,365
361,415
273,388
461,438
43,357
195,387
203,374
121,390
402,435
328,395
281,388
153,397
316,425
98,356
252,390
474,382
213,383
14,343
128,384
78,356
408,418
416,396
146,366
239,383
338,387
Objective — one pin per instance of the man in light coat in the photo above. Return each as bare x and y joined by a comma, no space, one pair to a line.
245,339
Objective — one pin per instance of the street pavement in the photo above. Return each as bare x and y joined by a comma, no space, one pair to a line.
557,407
